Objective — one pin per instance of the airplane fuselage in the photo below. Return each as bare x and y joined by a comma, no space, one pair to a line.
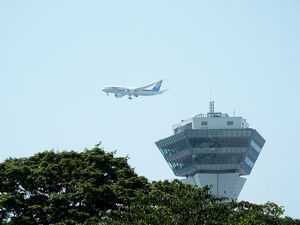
126,91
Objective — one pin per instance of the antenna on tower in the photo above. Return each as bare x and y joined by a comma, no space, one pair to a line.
211,107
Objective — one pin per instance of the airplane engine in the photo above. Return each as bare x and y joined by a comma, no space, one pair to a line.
119,95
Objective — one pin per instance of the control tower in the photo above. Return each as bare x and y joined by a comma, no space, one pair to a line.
213,149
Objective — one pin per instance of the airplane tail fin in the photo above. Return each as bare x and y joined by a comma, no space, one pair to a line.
157,86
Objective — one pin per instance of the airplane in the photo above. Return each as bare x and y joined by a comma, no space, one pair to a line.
119,92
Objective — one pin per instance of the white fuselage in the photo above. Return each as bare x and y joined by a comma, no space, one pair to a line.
127,91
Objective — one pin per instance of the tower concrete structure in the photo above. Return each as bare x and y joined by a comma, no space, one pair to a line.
213,149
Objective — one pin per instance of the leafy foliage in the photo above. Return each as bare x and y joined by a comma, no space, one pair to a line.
95,187
68,187
174,203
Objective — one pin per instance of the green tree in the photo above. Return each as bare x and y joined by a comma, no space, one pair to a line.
66,187
245,213
172,203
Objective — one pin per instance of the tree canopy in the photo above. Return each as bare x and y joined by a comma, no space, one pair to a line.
96,187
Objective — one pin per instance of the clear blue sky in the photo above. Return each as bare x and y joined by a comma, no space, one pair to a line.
55,57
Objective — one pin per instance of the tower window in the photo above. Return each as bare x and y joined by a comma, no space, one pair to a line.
203,123
229,122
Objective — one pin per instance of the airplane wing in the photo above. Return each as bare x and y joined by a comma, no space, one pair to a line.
144,87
